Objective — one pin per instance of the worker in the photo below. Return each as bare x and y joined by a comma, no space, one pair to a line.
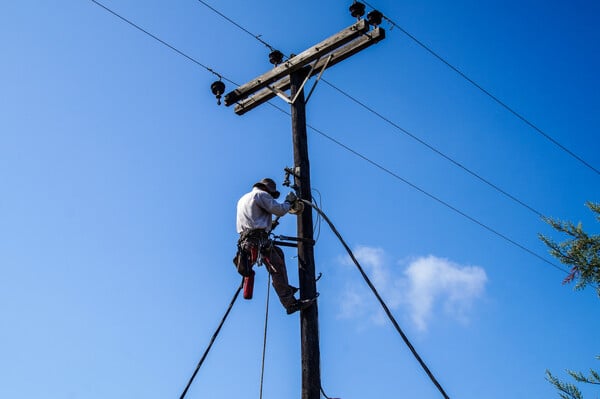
255,212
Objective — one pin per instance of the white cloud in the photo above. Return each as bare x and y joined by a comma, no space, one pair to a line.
433,280
429,286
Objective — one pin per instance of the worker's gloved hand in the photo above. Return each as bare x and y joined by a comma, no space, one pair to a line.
291,197
297,207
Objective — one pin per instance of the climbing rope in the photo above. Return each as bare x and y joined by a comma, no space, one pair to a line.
212,340
383,305
262,369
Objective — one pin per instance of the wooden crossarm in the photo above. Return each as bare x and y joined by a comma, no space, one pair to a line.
293,64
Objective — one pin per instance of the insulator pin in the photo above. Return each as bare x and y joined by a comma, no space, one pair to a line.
218,88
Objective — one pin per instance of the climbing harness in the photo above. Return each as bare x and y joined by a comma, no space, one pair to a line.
251,248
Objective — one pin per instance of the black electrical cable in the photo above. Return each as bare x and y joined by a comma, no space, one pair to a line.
162,41
490,95
257,37
212,340
381,302
317,227
324,394
440,153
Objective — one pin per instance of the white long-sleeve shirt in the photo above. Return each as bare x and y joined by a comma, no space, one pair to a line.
255,210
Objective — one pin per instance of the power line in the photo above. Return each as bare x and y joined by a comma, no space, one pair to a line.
257,37
396,126
490,95
162,41
440,153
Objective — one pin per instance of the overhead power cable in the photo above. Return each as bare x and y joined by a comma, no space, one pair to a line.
395,125
212,340
162,42
381,301
257,37
490,95
356,153
440,153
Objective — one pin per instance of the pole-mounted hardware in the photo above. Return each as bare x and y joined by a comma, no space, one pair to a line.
375,18
357,9
294,172
275,57
218,88
294,240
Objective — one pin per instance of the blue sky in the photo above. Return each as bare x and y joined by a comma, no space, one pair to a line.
120,176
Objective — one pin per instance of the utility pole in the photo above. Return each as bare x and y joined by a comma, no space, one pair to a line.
292,75
309,319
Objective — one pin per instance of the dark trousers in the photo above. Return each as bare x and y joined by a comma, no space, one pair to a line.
274,261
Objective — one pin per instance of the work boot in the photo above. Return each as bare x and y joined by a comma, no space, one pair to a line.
300,304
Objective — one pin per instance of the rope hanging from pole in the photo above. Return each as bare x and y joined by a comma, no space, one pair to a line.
262,369
383,305
212,340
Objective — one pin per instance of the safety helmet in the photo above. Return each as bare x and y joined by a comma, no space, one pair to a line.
269,186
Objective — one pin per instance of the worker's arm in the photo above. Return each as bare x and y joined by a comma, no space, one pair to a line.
269,204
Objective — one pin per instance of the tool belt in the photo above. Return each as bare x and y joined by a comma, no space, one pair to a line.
252,246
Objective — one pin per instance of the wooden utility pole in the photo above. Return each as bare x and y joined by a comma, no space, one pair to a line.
293,75
309,319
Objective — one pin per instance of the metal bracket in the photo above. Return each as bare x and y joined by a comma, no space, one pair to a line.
285,244
281,94
296,239
294,172
289,99
318,77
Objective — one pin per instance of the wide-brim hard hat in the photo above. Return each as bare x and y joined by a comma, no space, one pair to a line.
269,186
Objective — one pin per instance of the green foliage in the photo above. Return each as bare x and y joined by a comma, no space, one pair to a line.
570,391
566,390
581,251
